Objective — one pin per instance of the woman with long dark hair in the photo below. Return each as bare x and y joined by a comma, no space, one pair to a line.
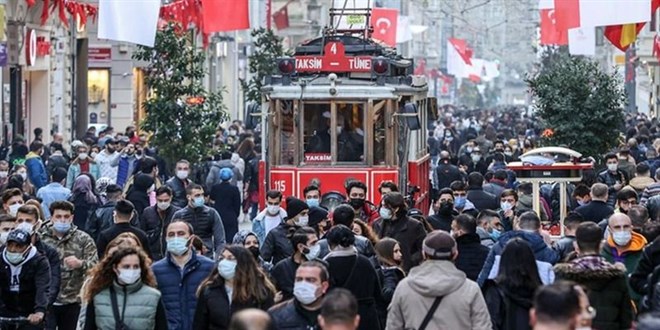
509,297
122,294
85,199
235,284
388,268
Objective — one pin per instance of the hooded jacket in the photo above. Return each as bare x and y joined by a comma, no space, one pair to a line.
606,288
36,170
629,255
30,294
214,173
138,193
462,306
542,252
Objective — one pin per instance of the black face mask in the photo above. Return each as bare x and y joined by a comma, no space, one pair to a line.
255,252
356,203
446,208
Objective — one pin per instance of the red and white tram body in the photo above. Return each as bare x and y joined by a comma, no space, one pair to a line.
344,108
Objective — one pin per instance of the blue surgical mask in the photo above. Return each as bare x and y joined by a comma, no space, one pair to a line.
14,258
582,203
61,227
459,202
227,268
313,202
385,213
177,245
314,252
506,206
495,234
198,201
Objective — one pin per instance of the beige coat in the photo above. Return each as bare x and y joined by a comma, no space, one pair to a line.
463,306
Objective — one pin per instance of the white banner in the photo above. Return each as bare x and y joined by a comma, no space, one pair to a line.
132,21
582,41
613,12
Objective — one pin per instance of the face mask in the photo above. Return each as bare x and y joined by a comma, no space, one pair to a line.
255,252
356,203
302,221
495,234
313,202
273,209
476,158
177,245
28,227
305,292
82,156
129,276
227,269
622,238
94,154
61,227
198,201
3,237
446,208
508,153
232,132
314,252
612,167
506,206
13,209
3,174
15,258
385,213
469,149
582,203
23,175
460,202
163,205
182,175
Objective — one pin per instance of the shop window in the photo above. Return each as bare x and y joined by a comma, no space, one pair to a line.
98,83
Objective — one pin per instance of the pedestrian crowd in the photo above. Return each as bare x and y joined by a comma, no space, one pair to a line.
99,235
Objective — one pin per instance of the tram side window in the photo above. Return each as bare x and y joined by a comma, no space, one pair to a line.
350,132
287,136
379,132
316,135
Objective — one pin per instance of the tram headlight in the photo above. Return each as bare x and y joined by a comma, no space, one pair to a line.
286,66
380,66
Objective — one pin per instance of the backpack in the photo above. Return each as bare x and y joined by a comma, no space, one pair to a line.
651,301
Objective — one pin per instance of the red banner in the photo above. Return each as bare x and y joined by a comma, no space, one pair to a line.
384,22
550,33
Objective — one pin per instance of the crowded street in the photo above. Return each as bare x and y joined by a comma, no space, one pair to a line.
330,165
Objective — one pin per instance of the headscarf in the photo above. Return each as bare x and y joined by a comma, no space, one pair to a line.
83,186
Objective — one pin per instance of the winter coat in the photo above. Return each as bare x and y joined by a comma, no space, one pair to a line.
471,255
484,236
445,174
207,224
32,293
54,262
138,193
442,221
362,244
606,287
125,164
610,179
356,274
289,315
462,305
214,174
178,187
259,225
284,275
508,308
649,259
650,191
564,246
154,227
639,183
117,229
542,252
410,234
595,211
494,188
214,311
525,203
83,210
143,310
179,288
55,161
389,278
227,201
277,246
102,218
74,243
36,170
74,171
629,256
482,200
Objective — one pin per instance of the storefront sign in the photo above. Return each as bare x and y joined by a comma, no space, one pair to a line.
30,47
43,47
100,55
333,60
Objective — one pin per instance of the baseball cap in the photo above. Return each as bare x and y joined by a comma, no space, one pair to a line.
438,244
19,236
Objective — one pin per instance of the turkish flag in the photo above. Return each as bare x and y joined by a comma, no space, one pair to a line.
384,22
567,14
225,15
550,34
281,18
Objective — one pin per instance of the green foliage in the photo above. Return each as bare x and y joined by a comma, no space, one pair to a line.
181,113
581,103
267,48
468,95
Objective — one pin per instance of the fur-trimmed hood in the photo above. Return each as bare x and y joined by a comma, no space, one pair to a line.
595,275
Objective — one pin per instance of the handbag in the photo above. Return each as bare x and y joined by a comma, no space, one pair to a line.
119,322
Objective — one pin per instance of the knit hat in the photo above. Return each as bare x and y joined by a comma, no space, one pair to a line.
226,174
438,244
294,206
316,215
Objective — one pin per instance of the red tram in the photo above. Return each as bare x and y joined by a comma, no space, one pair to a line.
346,107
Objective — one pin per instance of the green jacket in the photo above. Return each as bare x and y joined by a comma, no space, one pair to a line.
630,259
74,243
142,305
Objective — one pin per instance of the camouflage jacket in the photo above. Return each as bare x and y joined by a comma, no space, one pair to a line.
74,243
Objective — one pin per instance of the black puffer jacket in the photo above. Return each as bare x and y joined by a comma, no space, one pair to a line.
154,226
207,224
284,276
179,192
471,255
101,219
289,315
277,245
606,287
410,234
509,309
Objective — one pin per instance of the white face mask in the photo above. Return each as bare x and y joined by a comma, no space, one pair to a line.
305,292
163,205
3,237
82,156
94,154
129,276
182,175
13,209
25,226
621,238
23,175
612,167
3,174
303,220
273,209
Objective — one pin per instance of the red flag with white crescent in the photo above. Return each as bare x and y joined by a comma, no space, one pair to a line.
384,21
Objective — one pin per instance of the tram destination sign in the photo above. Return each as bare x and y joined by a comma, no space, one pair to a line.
334,59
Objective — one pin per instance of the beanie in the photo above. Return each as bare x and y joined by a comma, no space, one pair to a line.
226,174
316,215
438,244
294,206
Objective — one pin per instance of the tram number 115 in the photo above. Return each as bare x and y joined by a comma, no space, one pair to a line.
280,185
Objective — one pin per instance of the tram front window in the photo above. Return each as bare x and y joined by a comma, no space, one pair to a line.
350,132
318,132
